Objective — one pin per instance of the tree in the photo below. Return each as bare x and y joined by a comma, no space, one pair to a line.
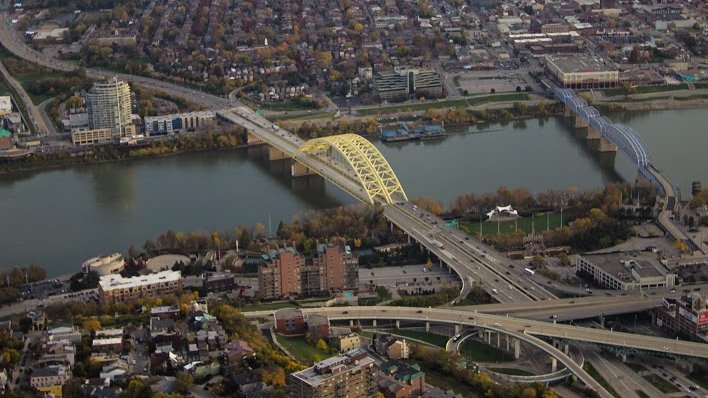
91,325
537,261
322,346
627,89
36,273
183,382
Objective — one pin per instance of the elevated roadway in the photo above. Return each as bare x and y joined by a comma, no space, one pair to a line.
509,324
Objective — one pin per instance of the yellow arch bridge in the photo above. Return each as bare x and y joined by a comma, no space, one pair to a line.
368,166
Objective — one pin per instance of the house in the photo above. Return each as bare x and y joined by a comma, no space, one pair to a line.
407,374
236,350
391,347
348,342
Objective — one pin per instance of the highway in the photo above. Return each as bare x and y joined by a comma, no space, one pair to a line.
526,330
39,120
507,324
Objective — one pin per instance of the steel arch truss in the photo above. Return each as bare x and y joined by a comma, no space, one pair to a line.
372,170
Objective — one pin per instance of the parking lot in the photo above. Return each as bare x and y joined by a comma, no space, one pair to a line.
482,82
44,289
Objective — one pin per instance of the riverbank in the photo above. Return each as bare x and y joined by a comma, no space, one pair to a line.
201,142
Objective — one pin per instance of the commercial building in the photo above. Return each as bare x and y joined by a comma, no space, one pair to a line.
581,71
104,265
350,375
402,83
279,275
178,122
624,272
109,106
686,316
114,288
334,268
92,137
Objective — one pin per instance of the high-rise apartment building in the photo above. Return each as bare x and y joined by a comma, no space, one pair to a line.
332,269
109,106
347,376
280,275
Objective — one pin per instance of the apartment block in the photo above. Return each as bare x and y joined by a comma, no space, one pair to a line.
109,106
279,276
114,288
345,376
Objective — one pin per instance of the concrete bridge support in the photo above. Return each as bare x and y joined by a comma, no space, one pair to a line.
580,122
517,348
373,322
298,170
498,340
607,146
276,154
398,324
427,326
567,111
458,329
252,139
554,364
593,134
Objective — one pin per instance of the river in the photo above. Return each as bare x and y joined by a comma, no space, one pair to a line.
58,218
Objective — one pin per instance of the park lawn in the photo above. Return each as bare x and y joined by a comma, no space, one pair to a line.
661,383
302,351
437,340
422,106
595,375
512,371
647,89
538,222
481,352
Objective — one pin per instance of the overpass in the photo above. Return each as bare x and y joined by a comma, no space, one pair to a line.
528,331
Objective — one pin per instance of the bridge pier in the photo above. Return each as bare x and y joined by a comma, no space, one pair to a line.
580,122
398,324
517,348
276,154
567,111
566,348
298,170
252,139
554,364
498,340
373,322
593,134
427,326
458,329
351,323
607,146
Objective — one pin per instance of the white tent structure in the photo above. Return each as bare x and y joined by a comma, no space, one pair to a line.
502,209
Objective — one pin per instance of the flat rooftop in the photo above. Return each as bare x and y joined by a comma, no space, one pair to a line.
310,376
114,281
612,264
580,63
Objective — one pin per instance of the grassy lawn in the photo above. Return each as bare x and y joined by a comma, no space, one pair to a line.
3,89
661,383
481,352
638,368
285,106
595,375
265,307
430,338
512,371
647,89
642,394
308,116
304,352
421,106
523,224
